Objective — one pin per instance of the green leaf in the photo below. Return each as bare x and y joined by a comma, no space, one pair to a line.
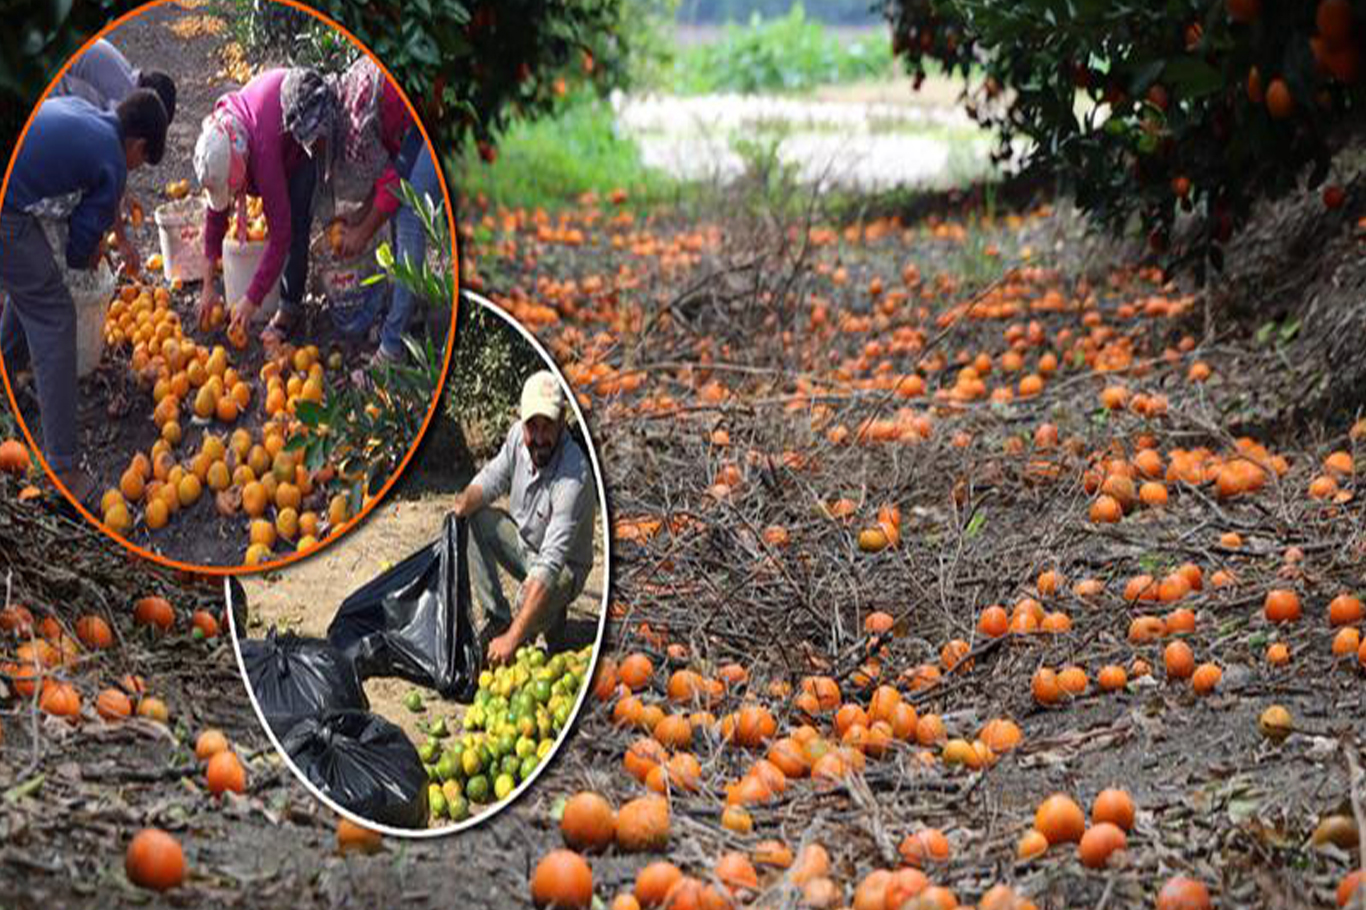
309,412
1192,77
975,525
1145,75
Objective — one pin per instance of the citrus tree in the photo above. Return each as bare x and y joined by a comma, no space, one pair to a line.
472,66
1146,110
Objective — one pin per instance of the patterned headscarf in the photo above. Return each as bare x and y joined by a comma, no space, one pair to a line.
360,93
308,103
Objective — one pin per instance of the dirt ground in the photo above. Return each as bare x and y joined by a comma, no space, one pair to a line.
115,412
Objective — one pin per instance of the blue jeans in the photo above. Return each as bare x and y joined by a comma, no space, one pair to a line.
38,328
414,164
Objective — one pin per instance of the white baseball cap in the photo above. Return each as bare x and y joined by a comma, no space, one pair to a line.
542,396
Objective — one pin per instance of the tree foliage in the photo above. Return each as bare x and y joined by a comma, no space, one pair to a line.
471,66
1146,109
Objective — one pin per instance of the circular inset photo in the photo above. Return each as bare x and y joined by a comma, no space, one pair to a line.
227,281
419,674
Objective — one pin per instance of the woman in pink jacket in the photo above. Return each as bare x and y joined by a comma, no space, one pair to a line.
269,139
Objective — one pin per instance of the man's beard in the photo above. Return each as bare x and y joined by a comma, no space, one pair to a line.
541,454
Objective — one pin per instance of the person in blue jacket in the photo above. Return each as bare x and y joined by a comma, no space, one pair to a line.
104,77
73,163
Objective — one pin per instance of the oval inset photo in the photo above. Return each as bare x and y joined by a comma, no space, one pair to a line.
419,674
228,283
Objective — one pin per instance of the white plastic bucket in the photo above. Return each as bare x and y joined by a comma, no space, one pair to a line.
240,261
90,290
181,227
92,305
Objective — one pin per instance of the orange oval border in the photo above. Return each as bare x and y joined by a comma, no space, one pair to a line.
445,363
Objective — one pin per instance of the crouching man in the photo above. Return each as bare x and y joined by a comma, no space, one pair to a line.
545,538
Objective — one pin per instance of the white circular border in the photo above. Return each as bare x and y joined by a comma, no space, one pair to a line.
567,731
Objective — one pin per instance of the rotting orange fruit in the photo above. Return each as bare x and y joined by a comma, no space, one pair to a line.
643,824
154,611
686,686
153,709
225,772
1073,681
562,879
878,623
351,836
1031,844
929,729
773,853
209,744
1179,660
871,892
635,671
644,754
1059,819
112,704
205,623
1344,610
737,819
154,860
1205,678
754,725
94,632
1056,622
736,872
953,653
1099,841
1106,510
673,731
1183,893
60,699
1001,735
588,822
1281,605
905,887
1045,687
812,862
993,622
925,845
1351,885
1114,806
1179,621
1112,678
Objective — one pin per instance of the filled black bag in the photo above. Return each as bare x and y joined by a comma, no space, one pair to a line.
413,621
295,677
364,763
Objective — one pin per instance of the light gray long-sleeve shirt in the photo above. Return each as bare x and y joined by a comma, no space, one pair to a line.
553,508
102,76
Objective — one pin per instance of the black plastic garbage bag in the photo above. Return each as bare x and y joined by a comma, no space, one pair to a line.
363,763
413,621
295,677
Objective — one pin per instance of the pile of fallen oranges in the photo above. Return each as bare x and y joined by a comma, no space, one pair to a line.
243,472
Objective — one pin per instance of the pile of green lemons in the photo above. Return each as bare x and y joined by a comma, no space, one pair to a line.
517,714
